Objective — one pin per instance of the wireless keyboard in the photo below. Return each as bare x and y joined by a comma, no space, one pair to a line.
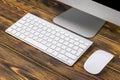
50,38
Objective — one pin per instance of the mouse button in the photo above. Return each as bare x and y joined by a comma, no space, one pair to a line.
92,65
97,61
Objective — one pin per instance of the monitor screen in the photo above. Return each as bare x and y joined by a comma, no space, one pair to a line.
110,3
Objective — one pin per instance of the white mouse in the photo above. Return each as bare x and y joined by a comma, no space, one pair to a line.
97,61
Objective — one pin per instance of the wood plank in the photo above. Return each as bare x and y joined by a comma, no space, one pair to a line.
111,31
14,66
42,11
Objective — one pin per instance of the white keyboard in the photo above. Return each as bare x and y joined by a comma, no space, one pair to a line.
49,38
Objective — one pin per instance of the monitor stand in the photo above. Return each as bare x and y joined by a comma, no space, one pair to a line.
79,22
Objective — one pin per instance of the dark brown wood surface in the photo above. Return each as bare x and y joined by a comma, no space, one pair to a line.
20,61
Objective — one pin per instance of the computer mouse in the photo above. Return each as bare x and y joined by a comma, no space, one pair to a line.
97,61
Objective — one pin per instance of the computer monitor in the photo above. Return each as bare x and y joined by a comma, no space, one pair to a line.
86,17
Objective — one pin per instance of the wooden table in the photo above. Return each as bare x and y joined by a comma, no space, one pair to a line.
19,61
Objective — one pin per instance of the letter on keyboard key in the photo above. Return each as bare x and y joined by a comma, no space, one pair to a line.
35,43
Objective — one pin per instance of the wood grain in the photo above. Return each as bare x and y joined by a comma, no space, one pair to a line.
17,66
19,61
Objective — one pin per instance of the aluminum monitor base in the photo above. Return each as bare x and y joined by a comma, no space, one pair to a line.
79,22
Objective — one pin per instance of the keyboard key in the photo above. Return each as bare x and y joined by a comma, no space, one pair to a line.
70,61
75,47
63,51
62,57
55,53
53,46
35,43
9,30
73,51
49,50
22,36
13,31
17,33
70,55
82,46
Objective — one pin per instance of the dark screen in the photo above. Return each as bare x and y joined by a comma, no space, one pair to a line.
110,3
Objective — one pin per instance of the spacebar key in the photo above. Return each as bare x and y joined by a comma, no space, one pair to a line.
36,44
